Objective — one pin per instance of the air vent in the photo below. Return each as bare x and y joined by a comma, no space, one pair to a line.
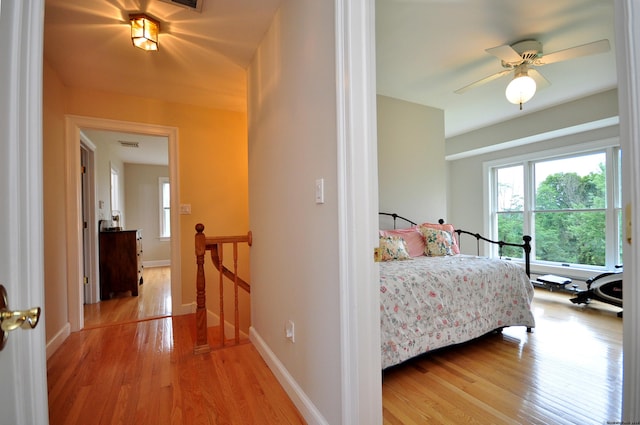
125,144
187,4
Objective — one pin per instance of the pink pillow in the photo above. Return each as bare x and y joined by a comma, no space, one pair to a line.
412,237
447,228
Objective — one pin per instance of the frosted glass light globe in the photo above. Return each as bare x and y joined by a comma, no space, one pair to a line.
521,89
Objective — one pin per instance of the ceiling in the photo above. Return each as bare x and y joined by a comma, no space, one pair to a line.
425,49
132,148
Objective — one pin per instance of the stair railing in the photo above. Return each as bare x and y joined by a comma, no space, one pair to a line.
215,245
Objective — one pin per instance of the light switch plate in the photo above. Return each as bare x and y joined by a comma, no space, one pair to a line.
185,208
319,191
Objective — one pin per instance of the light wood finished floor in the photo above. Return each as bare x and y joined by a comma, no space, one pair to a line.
153,300
568,371
146,373
134,364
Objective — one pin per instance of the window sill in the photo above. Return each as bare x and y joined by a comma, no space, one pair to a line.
572,272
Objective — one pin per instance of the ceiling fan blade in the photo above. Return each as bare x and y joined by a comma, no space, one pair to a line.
482,81
575,52
541,81
505,53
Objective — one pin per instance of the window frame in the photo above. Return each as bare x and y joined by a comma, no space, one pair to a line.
164,222
114,188
611,147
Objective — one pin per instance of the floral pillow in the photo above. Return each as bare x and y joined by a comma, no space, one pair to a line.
393,248
437,242
447,228
412,237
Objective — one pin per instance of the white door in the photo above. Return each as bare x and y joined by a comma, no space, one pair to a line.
23,378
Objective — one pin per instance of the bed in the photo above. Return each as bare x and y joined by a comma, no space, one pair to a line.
431,296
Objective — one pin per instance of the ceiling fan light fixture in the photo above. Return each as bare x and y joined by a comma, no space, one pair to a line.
144,32
522,88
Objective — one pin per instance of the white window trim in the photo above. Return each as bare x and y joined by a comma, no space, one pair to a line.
114,189
161,181
490,224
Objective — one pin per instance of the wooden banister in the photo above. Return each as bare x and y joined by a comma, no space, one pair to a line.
215,244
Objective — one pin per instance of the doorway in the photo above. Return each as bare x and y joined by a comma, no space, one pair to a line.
76,126
130,171
89,241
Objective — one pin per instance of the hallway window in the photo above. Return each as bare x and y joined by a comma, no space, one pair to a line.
115,190
165,209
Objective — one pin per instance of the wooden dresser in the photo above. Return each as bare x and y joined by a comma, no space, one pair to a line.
120,262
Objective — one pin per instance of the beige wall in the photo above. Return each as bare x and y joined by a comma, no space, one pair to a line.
105,160
142,205
292,142
412,172
55,258
212,166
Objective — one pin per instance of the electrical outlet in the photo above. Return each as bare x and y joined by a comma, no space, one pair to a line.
289,331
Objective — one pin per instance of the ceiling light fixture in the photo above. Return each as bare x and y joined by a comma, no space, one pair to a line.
144,32
522,88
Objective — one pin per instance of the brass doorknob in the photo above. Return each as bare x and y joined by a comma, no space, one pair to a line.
11,320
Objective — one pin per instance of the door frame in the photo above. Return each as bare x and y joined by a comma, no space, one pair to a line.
357,163
90,243
628,66
73,129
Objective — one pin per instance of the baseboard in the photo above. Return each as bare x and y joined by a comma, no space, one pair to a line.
214,320
184,309
58,339
156,263
306,407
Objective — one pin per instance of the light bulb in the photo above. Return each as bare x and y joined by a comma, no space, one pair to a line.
522,88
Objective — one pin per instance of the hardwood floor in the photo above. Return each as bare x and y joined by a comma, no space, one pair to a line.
153,300
129,368
134,367
146,373
568,371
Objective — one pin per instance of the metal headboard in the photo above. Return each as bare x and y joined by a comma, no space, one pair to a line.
526,245
396,216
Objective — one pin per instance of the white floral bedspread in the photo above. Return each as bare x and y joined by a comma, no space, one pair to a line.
431,302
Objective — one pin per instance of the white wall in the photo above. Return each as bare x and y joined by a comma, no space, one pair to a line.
106,160
142,200
412,173
512,138
294,259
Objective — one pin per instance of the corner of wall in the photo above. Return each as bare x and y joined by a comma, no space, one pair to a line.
304,404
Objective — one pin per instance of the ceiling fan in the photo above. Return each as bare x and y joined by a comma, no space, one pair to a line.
521,58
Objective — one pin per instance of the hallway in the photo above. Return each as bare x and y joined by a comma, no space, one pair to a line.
135,365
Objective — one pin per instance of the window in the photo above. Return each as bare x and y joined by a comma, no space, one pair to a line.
115,191
165,207
568,202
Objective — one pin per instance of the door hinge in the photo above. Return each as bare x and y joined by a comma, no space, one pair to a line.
376,254
86,280
83,169
84,224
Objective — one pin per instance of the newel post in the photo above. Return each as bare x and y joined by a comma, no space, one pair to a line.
202,345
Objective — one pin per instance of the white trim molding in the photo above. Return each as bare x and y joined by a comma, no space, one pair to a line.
57,340
308,410
628,65
358,211
23,371
74,124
